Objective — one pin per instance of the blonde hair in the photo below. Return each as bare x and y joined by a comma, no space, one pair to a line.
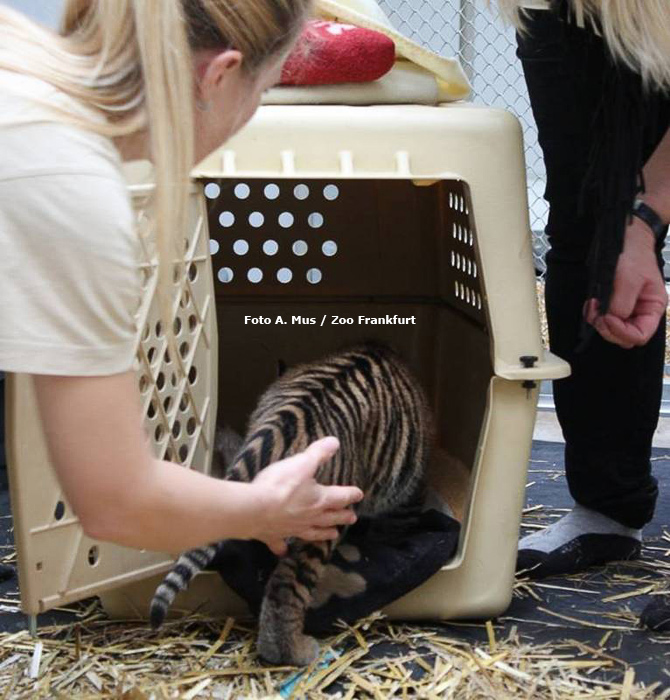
637,32
131,61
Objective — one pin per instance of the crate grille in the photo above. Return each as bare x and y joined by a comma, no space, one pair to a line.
176,409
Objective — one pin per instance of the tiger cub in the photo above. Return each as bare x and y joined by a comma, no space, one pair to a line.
366,397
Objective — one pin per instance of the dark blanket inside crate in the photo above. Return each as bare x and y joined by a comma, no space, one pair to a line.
377,562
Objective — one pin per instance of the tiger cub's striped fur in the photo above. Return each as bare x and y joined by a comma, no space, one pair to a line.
367,398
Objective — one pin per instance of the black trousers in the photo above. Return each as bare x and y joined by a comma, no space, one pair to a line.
608,409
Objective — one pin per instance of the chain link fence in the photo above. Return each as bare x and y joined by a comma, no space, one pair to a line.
486,49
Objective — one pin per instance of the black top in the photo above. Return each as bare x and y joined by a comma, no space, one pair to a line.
627,122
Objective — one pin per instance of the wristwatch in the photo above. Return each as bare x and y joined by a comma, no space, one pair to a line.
651,218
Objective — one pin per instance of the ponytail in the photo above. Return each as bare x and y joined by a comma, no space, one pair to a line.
169,100
637,32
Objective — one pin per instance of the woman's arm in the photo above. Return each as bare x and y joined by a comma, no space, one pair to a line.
121,493
639,297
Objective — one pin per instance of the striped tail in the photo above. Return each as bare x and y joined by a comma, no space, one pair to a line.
178,579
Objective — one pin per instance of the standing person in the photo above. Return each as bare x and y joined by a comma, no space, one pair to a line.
169,80
598,76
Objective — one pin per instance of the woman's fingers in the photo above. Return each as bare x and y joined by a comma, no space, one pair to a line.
630,332
611,335
277,546
337,517
590,311
306,463
320,534
627,333
339,497
298,505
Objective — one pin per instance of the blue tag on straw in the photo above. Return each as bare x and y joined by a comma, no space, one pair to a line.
289,685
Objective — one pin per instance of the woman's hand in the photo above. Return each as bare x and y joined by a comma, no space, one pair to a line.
639,298
122,494
296,505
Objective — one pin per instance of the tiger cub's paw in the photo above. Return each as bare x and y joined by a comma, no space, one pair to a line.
298,650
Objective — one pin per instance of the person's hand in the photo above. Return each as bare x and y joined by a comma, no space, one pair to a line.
639,298
295,505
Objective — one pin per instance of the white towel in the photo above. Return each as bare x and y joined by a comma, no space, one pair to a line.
405,83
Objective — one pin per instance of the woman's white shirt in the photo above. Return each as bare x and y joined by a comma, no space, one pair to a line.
69,275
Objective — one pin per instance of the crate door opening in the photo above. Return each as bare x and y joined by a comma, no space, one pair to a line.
328,257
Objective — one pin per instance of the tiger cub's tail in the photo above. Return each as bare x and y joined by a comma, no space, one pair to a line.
178,579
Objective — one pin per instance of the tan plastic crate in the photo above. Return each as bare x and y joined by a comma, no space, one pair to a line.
57,562
412,211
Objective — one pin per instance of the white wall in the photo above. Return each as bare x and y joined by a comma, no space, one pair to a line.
44,11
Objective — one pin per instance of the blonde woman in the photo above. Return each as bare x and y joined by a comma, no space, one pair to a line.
169,80
598,75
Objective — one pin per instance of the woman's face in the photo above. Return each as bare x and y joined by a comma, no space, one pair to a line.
227,96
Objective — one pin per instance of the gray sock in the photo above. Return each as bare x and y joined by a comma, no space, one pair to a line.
579,521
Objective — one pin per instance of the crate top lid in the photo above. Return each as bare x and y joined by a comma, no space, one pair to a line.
451,141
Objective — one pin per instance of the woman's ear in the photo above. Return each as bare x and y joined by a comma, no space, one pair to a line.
215,68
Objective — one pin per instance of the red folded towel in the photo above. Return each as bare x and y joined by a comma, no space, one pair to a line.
327,53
